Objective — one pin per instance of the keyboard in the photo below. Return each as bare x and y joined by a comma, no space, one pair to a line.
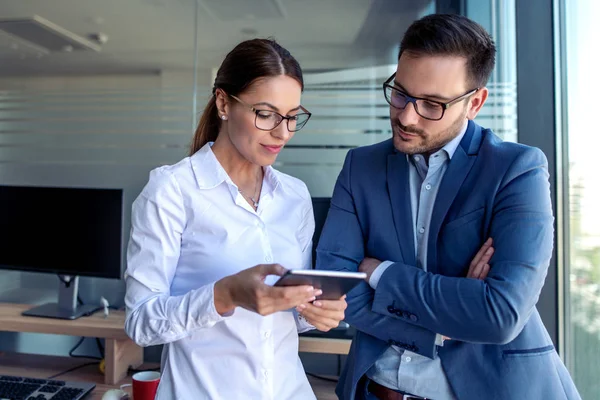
23,388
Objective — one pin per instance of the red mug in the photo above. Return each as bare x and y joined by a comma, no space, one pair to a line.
144,385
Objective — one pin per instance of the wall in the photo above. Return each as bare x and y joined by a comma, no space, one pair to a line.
110,131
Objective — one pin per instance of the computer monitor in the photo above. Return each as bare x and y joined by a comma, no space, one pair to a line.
320,210
69,232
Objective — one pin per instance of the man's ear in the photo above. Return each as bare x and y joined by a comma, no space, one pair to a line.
476,102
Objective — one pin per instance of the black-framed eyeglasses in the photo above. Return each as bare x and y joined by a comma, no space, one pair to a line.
267,120
426,108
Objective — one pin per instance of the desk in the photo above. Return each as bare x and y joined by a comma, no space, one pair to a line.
45,366
324,345
120,351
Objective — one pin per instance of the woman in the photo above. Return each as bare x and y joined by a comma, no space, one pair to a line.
200,224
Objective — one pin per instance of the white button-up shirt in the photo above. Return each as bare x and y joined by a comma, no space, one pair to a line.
190,228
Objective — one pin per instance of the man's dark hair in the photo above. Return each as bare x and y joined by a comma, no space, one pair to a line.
453,35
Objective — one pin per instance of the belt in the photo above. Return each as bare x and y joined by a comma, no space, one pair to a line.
385,393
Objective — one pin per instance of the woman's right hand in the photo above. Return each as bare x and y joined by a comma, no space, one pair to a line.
248,290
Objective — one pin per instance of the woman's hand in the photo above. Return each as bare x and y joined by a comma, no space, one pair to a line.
248,290
324,314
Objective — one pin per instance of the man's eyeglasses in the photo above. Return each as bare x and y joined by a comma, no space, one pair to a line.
428,109
267,120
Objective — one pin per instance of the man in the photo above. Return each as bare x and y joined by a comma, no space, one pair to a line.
413,211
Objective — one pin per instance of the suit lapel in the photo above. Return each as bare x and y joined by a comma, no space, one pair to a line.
459,167
399,191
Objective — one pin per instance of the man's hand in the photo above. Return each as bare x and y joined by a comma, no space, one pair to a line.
478,269
480,266
368,265
324,314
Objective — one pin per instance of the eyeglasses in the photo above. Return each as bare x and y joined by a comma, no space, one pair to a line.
428,109
267,120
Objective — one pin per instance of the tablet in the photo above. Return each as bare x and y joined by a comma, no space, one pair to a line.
334,284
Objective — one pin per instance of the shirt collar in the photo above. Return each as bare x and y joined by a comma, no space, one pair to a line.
451,146
210,173
272,180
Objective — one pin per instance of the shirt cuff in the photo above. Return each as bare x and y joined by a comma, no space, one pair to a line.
439,340
302,324
376,275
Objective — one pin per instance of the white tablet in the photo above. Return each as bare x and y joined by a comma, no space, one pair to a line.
334,284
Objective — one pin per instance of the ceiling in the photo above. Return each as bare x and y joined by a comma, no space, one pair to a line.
153,36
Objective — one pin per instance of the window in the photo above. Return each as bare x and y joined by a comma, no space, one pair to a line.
582,236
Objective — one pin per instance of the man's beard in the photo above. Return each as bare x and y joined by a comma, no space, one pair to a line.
439,140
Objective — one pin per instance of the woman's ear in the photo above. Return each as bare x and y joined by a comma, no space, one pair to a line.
222,101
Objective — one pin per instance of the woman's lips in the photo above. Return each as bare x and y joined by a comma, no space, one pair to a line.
273,149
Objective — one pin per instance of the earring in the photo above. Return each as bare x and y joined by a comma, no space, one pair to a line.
223,117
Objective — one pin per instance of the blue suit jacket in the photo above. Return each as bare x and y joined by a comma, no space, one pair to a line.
499,349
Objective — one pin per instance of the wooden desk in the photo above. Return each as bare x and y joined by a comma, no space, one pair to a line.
45,366
120,351
324,345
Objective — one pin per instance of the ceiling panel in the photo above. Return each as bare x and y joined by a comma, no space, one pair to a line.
156,35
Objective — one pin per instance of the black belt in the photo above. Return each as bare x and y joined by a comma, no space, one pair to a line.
385,393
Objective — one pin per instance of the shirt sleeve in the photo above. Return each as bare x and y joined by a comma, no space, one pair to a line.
376,275
153,316
305,235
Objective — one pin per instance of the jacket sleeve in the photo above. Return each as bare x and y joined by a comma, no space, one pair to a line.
341,248
493,310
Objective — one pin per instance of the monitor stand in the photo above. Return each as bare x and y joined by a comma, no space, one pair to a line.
67,307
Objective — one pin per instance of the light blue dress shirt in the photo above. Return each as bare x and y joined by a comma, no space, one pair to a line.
402,369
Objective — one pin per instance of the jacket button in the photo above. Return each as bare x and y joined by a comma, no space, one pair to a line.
391,309
413,318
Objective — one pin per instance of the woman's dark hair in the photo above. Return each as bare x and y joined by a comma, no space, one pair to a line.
248,61
453,35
